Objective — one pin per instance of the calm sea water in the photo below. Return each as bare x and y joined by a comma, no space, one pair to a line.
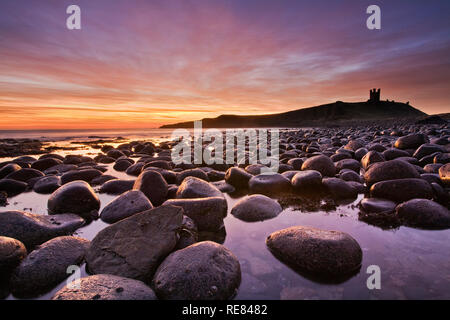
414,263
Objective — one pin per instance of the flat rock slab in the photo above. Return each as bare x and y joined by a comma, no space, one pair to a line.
106,287
34,229
46,267
202,271
134,247
256,207
317,252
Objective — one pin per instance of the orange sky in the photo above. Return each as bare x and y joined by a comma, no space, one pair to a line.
140,64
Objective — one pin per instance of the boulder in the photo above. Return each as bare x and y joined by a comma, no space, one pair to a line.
46,267
370,158
47,184
202,271
424,213
390,170
238,177
125,205
269,184
34,229
74,197
24,174
116,186
411,141
106,287
44,164
402,189
256,208
307,180
339,189
134,247
320,163
153,185
12,187
84,175
9,168
444,174
193,187
12,252
199,173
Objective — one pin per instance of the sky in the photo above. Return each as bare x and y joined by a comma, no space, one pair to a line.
144,63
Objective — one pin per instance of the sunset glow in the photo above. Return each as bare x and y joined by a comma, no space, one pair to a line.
141,64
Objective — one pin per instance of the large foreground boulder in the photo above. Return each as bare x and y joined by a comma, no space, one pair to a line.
317,252
202,271
46,267
74,197
34,229
105,287
134,247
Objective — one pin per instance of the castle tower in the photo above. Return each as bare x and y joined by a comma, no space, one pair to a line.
375,95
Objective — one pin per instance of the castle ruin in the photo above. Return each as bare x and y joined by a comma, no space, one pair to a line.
374,95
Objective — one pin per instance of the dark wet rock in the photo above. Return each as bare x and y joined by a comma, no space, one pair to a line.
153,185
350,164
46,185
440,195
339,189
349,175
215,175
359,187
198,173
269,184
105,159
256,208
376,205
115,154
126,205
9,168
44,164
46,266
51,155
207,213
306,180
282,167
168,175
193,187
163,164
432,168
133,247
355,144
428,149
60,168
74,197
402,189
390,170
424,213
377,147
223,186
296,163
392,153
323,164
290,174
443,158
102,179
238,177
135,169
411,141
106,287
34,229
340,156
117,186
255,169
12,187
202,271
122,165
12,252
444,174
84,175
24,174
370,158
360,153
431,177
315,251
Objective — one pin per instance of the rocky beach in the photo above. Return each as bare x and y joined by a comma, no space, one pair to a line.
141,227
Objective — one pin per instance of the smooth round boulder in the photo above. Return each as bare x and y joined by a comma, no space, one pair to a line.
423,213
46,267
349,175
9,168
12,252
339,189
316,252
444,174
122,165
105,287
193,187
153,185
377,205
320,163
402,189
307,180
411,141
86,175
74,197
116,186
12,187
44,164
202,271
350,164
238,177
24,174
269,184
124,206
47,184
370,158
296,163
256,207
199,173
390,170
135,169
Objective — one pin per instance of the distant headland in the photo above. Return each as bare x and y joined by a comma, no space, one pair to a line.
332,114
